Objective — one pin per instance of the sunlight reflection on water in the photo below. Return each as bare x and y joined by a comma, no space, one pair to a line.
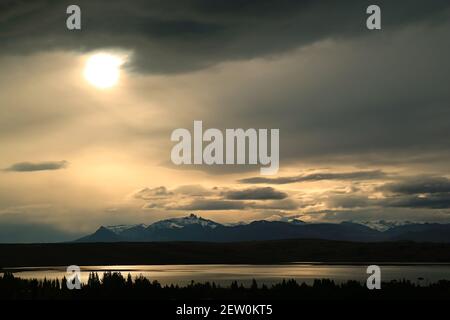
268,274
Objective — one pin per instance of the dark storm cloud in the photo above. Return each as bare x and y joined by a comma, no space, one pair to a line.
376,99
37,166
196,197
418,185
427,195
211,204
175,36
431,201
357,175
256,194
161,193
152,193
349,201
418,192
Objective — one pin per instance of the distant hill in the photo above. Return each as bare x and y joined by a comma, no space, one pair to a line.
195,228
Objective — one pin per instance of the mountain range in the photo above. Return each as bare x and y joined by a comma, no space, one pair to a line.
195,228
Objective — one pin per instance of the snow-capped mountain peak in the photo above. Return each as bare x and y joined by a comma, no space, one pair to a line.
177,223
383,225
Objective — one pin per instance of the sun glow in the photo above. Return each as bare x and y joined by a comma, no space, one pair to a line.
102,70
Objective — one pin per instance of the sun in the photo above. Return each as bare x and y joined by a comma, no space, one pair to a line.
102,70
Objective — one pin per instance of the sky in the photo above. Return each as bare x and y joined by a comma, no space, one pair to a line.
364,115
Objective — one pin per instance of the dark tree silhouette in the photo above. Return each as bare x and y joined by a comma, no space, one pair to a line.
113,285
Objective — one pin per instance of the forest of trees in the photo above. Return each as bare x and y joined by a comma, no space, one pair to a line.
113,285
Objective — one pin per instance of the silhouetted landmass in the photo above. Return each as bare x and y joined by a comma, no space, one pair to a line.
115,286
195,228
253,252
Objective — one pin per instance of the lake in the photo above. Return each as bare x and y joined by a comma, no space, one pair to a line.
268,274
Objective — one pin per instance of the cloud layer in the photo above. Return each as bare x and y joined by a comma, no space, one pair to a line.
358,175
37,166
169,36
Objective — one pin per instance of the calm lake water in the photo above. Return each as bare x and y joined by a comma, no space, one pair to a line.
268,274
